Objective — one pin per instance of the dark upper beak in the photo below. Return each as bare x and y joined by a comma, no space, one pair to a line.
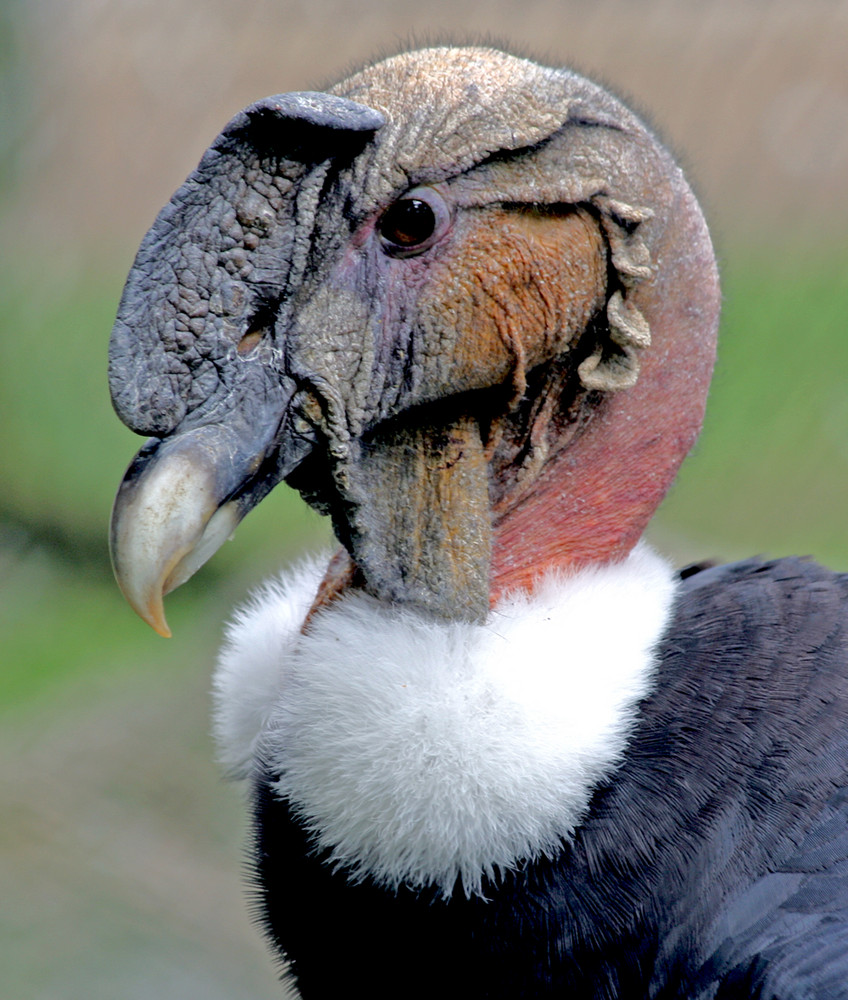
222,431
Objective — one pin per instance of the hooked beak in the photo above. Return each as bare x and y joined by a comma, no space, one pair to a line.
181,498
167,520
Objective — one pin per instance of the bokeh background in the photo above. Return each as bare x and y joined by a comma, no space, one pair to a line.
120,874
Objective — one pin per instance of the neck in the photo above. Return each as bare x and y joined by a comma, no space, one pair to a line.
592,498
594,480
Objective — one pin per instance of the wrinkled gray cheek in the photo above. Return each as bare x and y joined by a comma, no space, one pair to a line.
329,350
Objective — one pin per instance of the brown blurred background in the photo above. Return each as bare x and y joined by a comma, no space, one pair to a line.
121,98
121,847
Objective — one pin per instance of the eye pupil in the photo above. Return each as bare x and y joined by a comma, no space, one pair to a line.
408,222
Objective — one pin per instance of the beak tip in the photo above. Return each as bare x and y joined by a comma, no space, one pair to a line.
148,607
158,624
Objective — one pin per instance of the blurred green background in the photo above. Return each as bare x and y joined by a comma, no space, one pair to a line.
121,847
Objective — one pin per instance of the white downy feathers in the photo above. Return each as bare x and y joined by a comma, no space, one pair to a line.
424,752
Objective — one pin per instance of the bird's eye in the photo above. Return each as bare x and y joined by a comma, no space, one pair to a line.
414,222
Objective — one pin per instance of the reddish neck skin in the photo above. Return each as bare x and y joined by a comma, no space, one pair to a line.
594,498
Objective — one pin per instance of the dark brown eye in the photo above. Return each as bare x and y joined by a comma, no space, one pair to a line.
414,222
408,223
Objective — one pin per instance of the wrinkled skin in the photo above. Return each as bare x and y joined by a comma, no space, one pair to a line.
270,329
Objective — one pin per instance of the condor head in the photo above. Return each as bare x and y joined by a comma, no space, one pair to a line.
464,303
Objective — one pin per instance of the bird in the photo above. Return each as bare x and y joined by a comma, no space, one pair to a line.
495,746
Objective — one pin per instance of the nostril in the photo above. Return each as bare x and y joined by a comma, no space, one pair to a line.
249,341
258,327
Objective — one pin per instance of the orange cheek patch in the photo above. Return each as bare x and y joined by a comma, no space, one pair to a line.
528,283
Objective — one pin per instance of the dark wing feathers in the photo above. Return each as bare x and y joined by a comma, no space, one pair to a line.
769,645
791,936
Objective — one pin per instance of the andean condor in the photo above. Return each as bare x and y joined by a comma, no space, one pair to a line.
498,748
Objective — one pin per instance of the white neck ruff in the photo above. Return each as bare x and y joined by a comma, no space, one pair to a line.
429,753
